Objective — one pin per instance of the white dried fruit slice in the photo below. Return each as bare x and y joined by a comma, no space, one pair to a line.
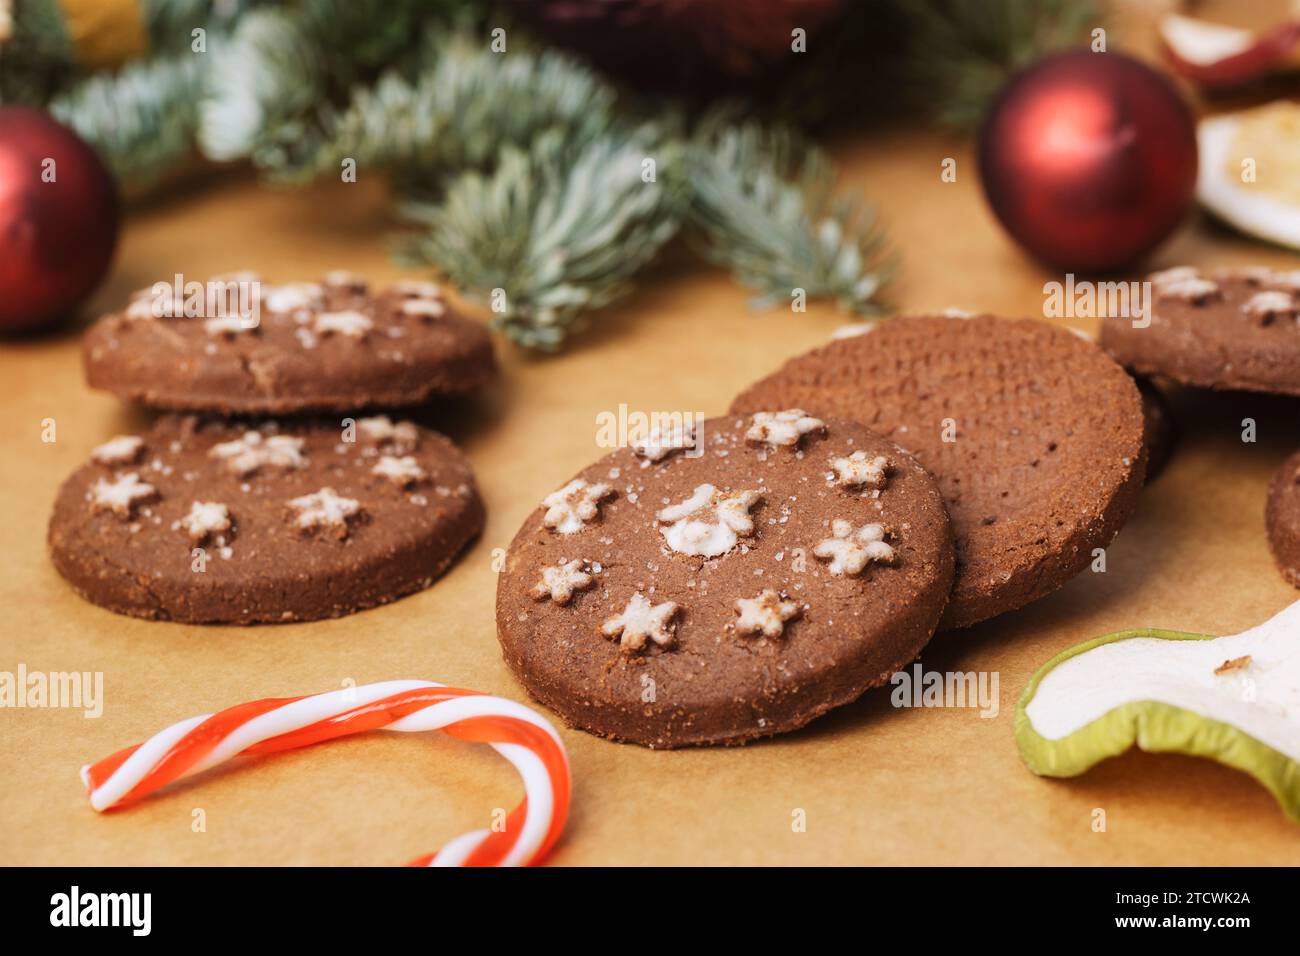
1250,171
1234,699
1217,55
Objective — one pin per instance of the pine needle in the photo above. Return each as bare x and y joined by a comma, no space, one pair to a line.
141,119
764,202
964,51
553,233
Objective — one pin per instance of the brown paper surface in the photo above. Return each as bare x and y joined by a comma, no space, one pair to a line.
876,784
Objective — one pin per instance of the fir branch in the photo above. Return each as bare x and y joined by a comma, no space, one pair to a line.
262,81
169,24
142,120
459,112
964,51
558,231
764,202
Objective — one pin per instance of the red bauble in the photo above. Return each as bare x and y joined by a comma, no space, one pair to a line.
681,46
58,219
1089,160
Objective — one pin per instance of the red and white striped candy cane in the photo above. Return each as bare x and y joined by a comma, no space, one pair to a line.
519,734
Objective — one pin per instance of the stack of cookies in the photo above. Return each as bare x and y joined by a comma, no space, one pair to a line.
716,584
1226,329
219,514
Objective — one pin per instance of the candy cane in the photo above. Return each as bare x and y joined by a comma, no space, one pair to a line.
520,735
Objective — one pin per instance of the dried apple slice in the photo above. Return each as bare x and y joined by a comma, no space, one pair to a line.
1233,699
1215,55
1250,171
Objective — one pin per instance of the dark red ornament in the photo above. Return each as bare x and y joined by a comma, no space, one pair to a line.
681,46
58,219
1089,160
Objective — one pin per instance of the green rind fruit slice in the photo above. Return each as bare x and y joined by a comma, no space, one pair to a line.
1098,699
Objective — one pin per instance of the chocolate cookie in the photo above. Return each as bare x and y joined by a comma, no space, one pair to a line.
667,599
238,345
1034,435
1282,519
1226,329
210,522
1159,432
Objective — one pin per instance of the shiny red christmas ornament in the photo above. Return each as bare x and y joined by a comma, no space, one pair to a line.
1089,160
58,219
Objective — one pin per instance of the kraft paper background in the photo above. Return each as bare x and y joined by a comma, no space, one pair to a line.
877,785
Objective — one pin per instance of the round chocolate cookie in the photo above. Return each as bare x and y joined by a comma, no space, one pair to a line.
1227,329
1282,519
1034,435
714,585
214,522
237,345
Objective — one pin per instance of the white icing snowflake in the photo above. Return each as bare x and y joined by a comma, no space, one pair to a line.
1174,274
401,471
641,621
850,551
428,308
228,325
1289,279
121,494
782,428
343,279
858,469
205,518
1185,283
708,523
417,289
558,583
569,509
1270,305
119,451
662,442
382,430
254,450
141,308
350,323
292,296
324,509
764,614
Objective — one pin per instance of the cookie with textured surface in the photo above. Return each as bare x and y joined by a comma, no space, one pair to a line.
678,600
